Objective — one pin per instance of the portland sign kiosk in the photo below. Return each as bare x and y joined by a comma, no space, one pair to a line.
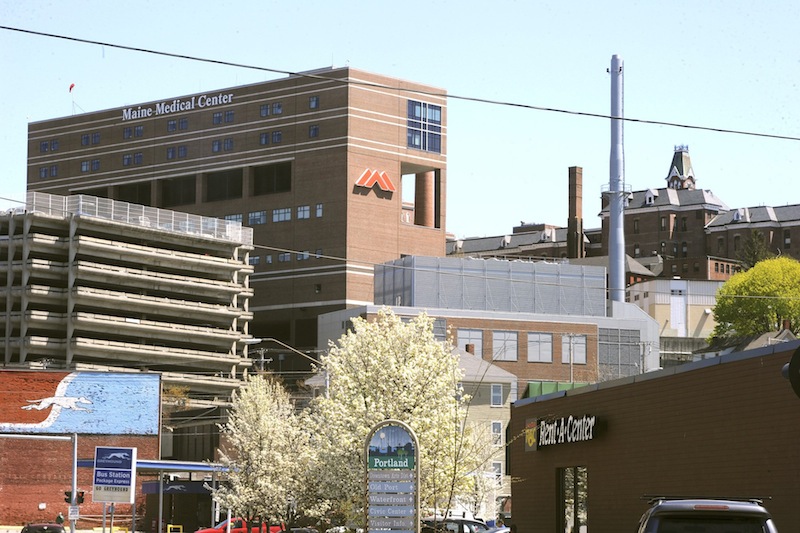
392,479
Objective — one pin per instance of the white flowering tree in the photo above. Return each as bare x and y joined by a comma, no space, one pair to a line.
391,369
266,448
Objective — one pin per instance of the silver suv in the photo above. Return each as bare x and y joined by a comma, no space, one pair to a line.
706,516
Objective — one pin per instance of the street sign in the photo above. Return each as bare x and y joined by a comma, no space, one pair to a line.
74,513
114,475
392,477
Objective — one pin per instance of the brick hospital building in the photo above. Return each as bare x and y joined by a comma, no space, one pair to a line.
318,164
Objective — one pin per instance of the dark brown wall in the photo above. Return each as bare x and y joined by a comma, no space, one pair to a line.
725,429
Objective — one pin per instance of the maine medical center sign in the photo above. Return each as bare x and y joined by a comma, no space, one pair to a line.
392,478
177,105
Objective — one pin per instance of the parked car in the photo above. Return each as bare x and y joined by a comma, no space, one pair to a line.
239,525
43,528
453,524
706,516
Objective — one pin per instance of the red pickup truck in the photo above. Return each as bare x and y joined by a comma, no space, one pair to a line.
239,525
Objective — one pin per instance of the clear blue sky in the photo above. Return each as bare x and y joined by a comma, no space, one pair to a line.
722,64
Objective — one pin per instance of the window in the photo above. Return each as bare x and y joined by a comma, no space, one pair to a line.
127,133
216,118
424,126
637,252
271,179
720,245
674,269
303,256
573,496
684,249
683,224
504,344
43,171
663,223
264,110
470,336
53,171
96,138
127,159
318,211
172,125
216,146
229,116
257,217
716,267
497,395
313,102
636,225
84,166
787,238
283,214
277,137
54,145
85,139
573,349
95,164
497,468
268,259
138,157
138,131
497,433
313,131
264,138
183,124
284,257
171,152
224,185
234,218
318,253
277,108
182,151
540,347
303,212
178,191
253,260
228,145
44,146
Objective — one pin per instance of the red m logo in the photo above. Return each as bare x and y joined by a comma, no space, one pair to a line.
371,177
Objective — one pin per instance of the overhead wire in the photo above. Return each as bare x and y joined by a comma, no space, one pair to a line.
444,95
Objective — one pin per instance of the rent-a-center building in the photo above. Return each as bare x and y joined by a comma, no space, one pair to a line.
589,458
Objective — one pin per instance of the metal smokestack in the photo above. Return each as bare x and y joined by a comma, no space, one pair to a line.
616,233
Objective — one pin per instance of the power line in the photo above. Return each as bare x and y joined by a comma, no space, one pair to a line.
415,91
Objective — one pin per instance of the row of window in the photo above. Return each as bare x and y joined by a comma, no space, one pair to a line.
285,257
281,214
540,346
182,124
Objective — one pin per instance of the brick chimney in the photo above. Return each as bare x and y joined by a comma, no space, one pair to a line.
575,245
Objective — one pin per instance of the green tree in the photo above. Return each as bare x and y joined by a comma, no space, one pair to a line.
266,448
754,249
391,369
760,299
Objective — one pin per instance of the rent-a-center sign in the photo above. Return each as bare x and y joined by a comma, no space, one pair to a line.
564,430
392,479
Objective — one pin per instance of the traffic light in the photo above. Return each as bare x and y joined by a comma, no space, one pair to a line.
68,496
80,496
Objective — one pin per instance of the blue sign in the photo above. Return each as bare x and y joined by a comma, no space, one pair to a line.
114,475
